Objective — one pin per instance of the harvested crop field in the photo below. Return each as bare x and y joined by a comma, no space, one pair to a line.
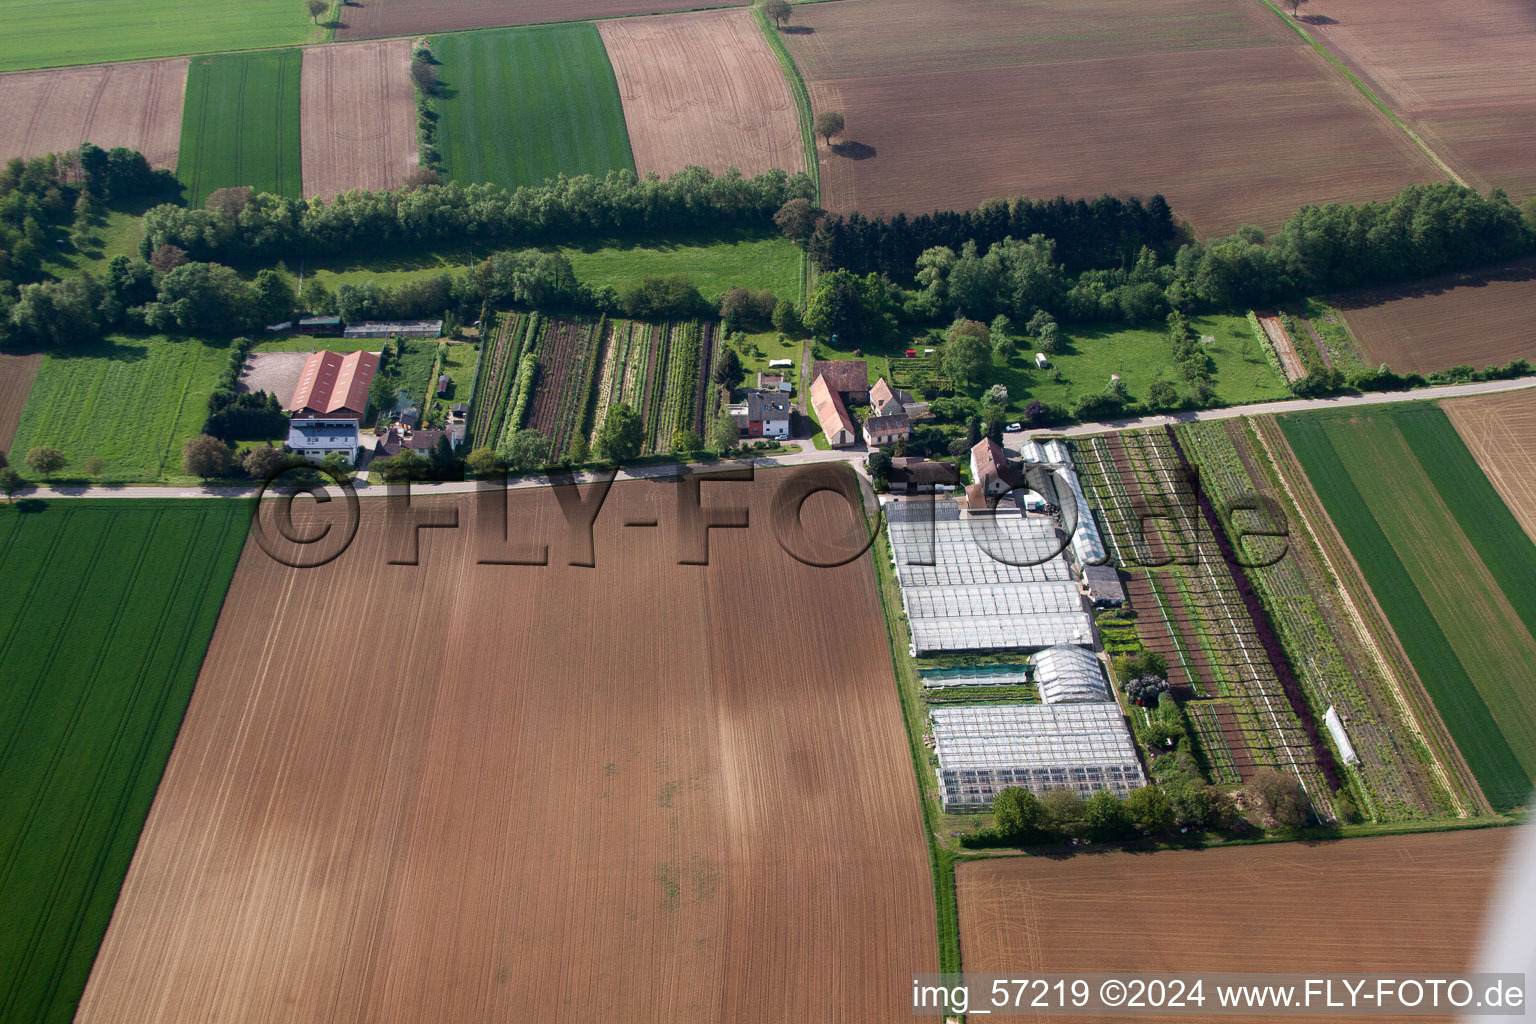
357,113
1472,318
16,375
408,17
535,783
1466,83
133,105
1500,431
1333,907
1235,122
703,89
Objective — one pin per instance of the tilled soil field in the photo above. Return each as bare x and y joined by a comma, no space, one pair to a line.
1474,318
450,791
1500,430
703,89
1466,83
1229,131
1413,903
357,110
407,17
135,105
16,375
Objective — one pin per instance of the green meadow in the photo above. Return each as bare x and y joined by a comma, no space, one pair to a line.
240,124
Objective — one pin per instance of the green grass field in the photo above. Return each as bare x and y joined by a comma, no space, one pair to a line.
521,105
1090,354
716,263
49,33
130,401
107,612
1451,568
240,124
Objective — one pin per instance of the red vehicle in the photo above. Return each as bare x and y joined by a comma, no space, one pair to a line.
911,353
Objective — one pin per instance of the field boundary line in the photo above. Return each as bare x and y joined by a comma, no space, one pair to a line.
1367,92
796,83
1357,621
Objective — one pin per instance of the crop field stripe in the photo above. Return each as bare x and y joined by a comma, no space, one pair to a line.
802,96
527,104
1488,753
241,120
120,604
1479,509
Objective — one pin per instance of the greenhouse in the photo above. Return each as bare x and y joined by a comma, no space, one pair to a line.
1086,543
1070,675
1040,747
977,675
957,552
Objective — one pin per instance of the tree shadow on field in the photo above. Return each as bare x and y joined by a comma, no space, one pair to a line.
853,150
797,30
1317,19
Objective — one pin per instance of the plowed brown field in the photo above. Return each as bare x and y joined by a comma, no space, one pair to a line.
703,89
1226,112
1411,903
454,791
134,105
1463,77
16,374
406,17
1501,432
1477,319
358,117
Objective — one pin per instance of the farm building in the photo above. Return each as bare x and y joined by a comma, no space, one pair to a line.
1039,747
911,475
458,422
334,386
320,326
974,585
989,468
395,328
885,400
762,414
1104,587
1070,675
1086,543
316,438
832,414
848,377
879,430
977,675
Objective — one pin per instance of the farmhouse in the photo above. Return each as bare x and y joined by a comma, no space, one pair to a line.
762,414
848,377
316,438
831,414
885,400
982,750
879,430
334,386
989,468
395,329
919,476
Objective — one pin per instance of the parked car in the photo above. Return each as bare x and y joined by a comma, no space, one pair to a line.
1013,428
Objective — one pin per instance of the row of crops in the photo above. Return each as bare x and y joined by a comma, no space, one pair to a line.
660,370
1150,516
1305,610
569,353
495,375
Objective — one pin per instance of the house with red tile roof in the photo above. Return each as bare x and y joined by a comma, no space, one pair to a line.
334,386
832,414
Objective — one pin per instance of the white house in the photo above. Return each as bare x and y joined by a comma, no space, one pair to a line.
316,438
762,414
989,468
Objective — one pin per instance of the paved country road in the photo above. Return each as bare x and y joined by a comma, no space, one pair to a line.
811,456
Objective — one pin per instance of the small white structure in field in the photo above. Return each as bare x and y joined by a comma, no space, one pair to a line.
780,364
1041,361
1340,737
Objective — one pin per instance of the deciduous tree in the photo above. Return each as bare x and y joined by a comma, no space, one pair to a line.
828,124
778,10
966,352
10,483
1016,813
316,8
47,460
1149,809
622,434
484,461
527,451
263,462
204,456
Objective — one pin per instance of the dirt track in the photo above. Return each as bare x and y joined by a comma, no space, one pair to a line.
1411,903
16,374
357,116
1232,130
134,105
703,89
1466,84
452,791
1500,430
1474,319
408,17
